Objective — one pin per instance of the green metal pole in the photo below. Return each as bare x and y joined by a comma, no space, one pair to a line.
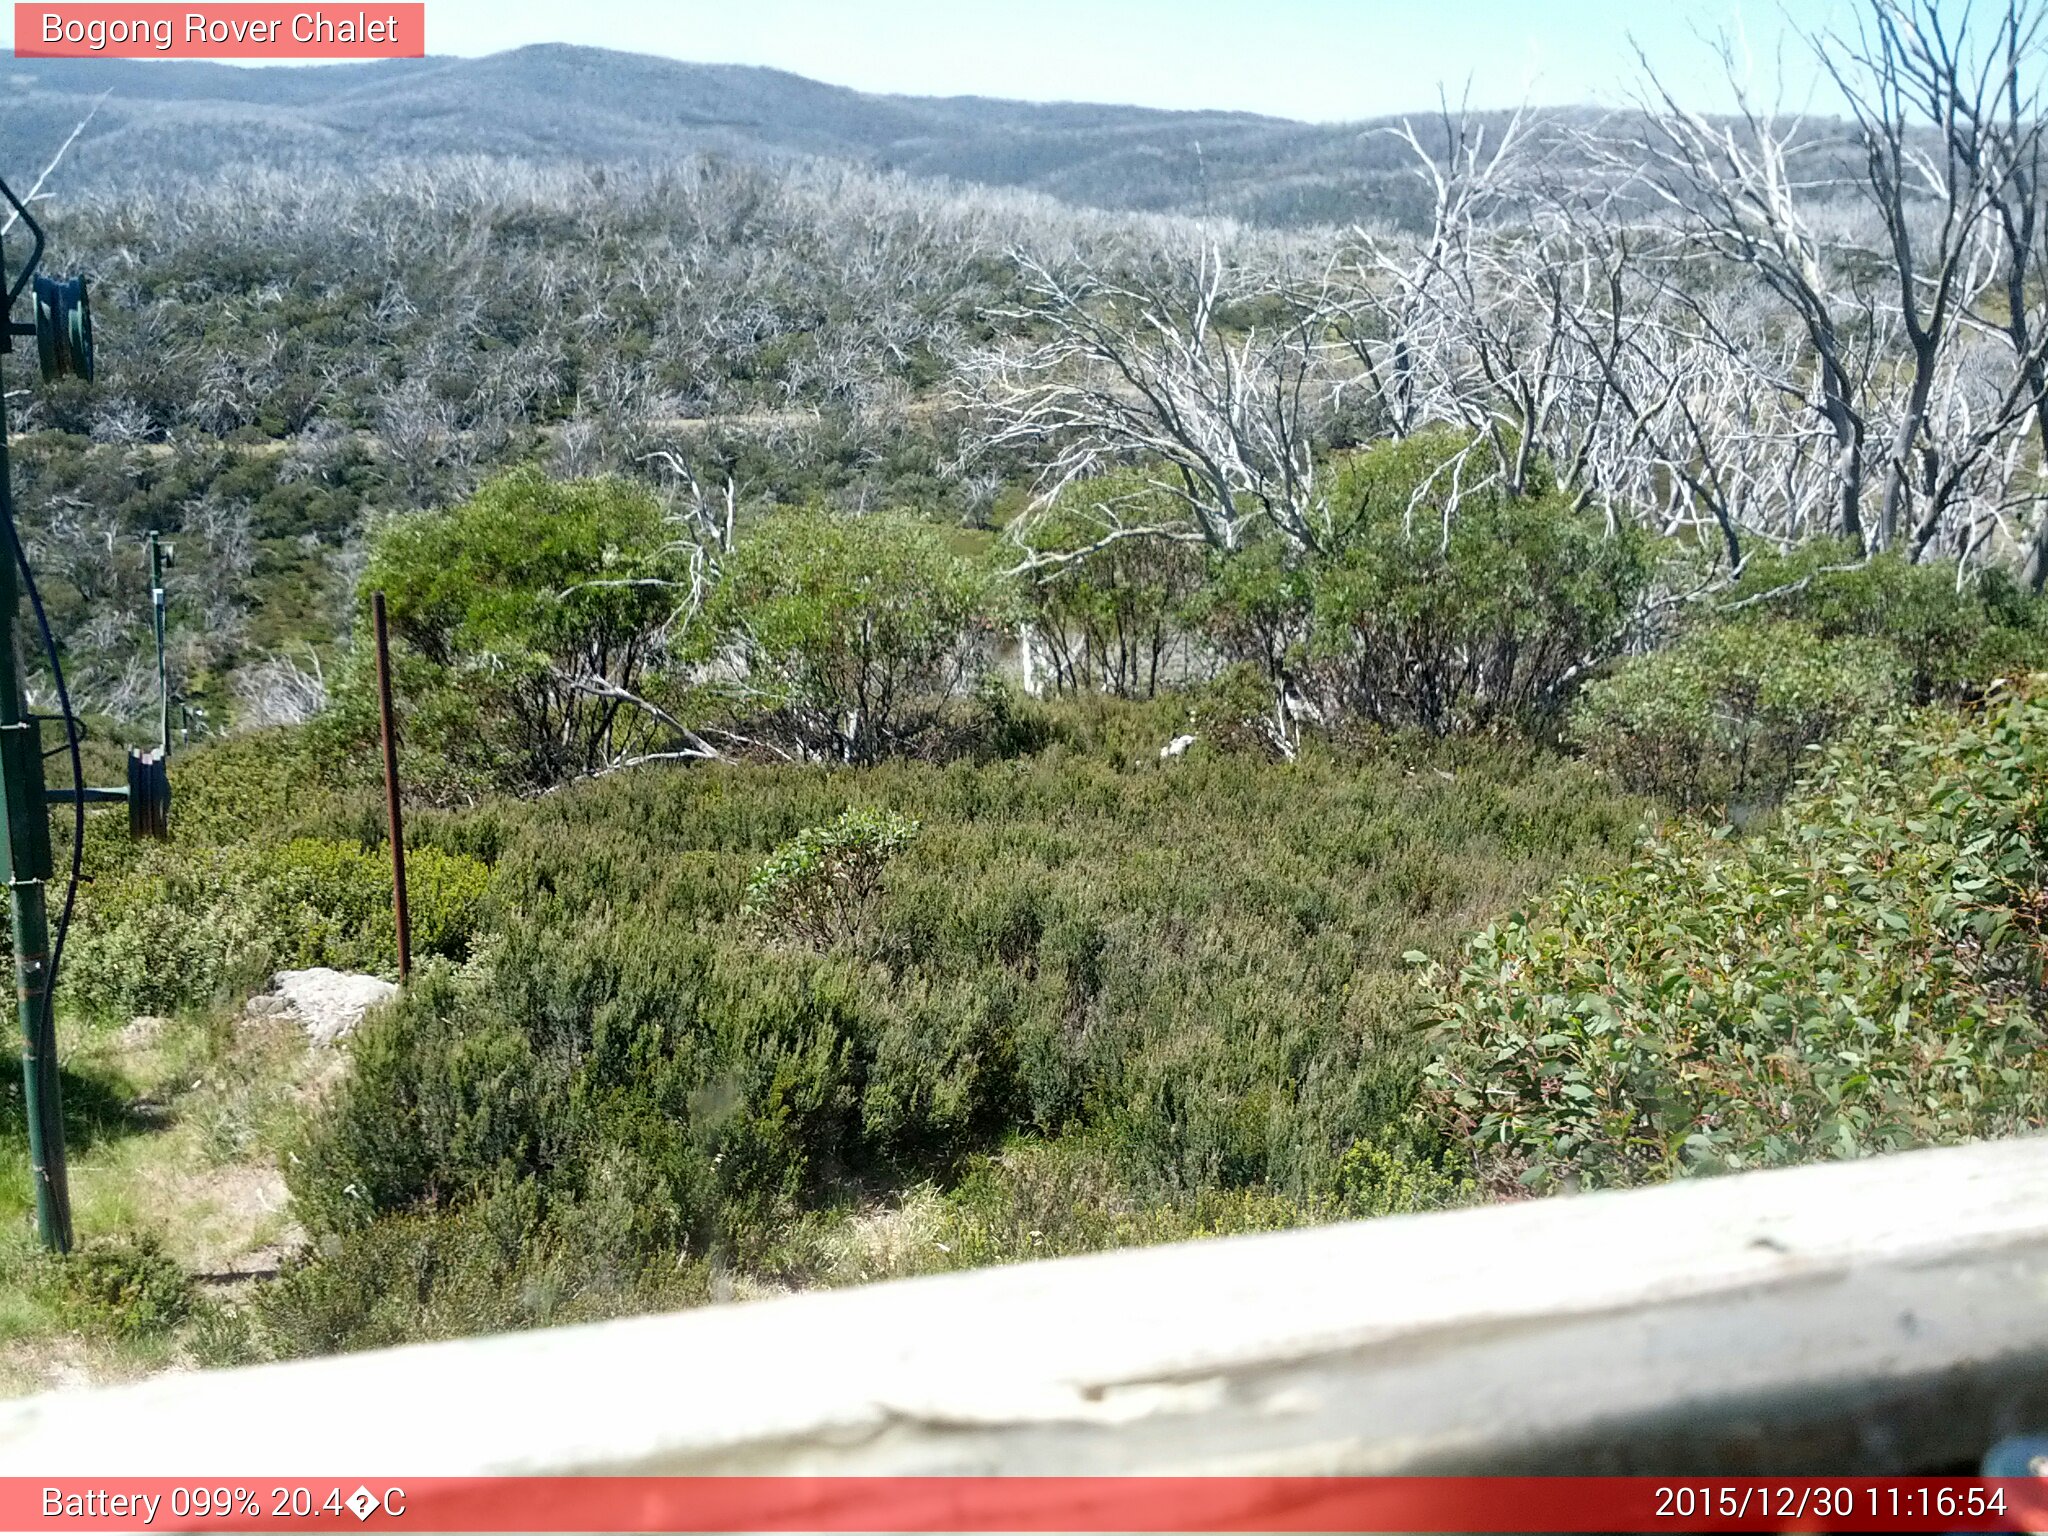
27,868
158,600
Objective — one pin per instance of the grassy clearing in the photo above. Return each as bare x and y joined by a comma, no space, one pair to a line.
174,1133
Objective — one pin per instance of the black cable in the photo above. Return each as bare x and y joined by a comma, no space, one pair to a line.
35,602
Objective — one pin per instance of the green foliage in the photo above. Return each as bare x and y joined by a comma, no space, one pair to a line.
1805,646
491,1267
1111,619
260,786
1727,713
1254,608
518,617
1234,712
820,887
125,1288
338,897
1382,1175
1452,621
222,1337
182,924
1953,633
173,931
853,631
1861,978
1002,722
1196,972
1039,1200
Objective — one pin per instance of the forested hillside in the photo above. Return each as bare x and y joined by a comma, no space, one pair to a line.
587,106
941,725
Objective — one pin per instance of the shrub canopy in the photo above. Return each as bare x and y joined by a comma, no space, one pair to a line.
850,634
1726,714
1863,977
636,1075
520,617
1455,620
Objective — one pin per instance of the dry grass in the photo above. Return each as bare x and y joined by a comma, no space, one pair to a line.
176,1132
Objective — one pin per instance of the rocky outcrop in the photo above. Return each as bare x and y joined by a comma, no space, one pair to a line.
328,1004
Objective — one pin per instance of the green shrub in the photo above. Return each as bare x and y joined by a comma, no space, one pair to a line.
223,1336
1003,723
175,930
183,924
519,618
1728,712
125,1288
505,1262
334,899
1954,632
1255,608
854,632
1382,1175
1110,619
415,1065
1218,1017
1040,1200
1862,978
718,1086
1236,712
260,786
820,887
1452,620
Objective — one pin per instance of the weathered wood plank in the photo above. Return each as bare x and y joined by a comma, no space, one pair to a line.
1886,1315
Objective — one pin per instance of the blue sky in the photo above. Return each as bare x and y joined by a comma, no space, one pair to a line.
1323,60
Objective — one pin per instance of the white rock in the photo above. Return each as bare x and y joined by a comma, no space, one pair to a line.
330,1004
1178,745
143,1031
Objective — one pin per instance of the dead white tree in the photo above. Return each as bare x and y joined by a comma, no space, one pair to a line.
1908,85
1906,257
1211,373
1740,190
1990,119
35,193
1706,427
1401,332
1479,322
278,691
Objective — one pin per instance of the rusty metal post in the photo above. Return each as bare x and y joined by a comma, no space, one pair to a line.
398,911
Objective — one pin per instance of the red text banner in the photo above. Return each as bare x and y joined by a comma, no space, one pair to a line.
380,1503
235,31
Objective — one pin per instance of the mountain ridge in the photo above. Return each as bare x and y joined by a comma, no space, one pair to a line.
556,101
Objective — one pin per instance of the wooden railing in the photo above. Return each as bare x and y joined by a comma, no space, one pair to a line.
1889,1315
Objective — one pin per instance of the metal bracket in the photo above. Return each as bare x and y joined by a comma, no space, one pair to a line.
89,796
35,251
